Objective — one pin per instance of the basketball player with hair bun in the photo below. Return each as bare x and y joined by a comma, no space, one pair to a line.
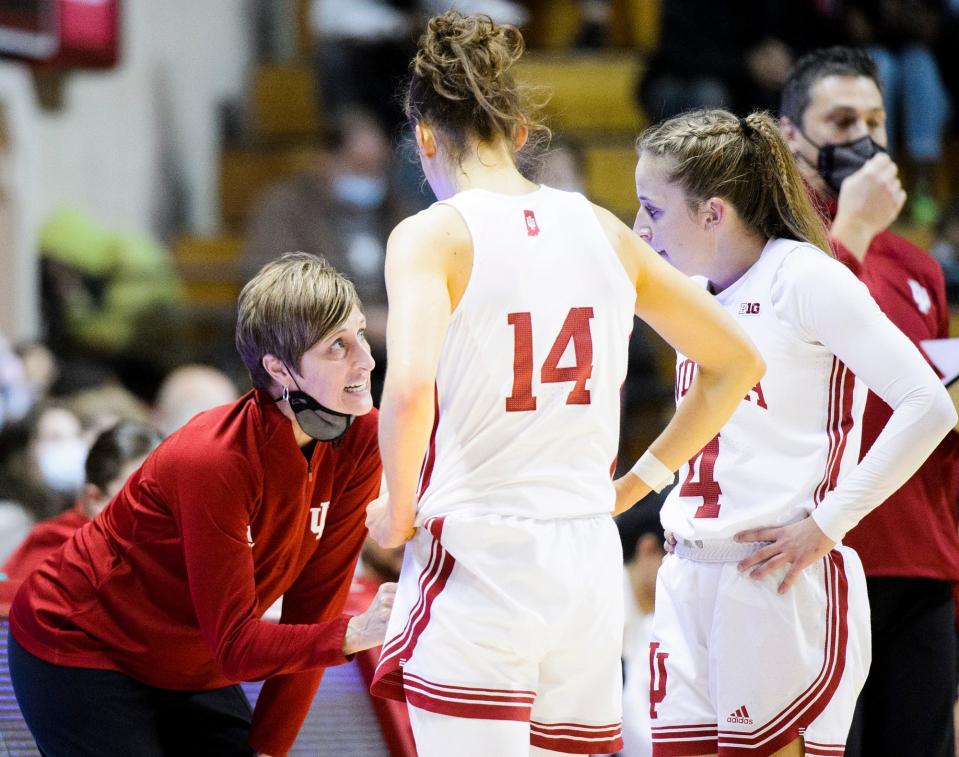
511,305
761,632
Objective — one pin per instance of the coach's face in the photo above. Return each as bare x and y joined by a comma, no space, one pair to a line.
336,370
841,109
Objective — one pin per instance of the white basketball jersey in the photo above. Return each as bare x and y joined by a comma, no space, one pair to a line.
792,438
529,378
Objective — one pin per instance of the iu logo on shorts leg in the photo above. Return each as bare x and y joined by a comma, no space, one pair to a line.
657,677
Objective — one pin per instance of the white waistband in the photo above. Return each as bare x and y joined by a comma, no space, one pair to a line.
716,550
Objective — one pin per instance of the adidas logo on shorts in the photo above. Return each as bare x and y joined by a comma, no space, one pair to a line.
741,716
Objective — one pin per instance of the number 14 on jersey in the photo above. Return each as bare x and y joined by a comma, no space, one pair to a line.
575,329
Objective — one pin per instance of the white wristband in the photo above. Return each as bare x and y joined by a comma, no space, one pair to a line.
650,470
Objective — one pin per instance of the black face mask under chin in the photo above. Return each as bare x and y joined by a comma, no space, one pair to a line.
318,422
837,162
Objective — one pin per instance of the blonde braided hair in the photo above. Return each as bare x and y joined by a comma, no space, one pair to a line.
712,153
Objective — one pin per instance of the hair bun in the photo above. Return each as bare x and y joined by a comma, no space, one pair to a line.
462,80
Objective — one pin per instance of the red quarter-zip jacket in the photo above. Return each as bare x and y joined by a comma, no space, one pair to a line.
168,584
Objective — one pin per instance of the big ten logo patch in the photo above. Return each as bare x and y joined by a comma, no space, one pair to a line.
749,308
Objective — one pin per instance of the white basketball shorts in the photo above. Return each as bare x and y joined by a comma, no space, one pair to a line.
738,669
506,618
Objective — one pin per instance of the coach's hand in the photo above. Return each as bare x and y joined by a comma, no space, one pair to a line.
368,629
869,201
797,546
388,528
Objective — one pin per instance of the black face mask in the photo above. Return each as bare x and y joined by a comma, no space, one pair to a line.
838,162
318,422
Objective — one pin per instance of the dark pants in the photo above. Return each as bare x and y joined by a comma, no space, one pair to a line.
81,712
905,708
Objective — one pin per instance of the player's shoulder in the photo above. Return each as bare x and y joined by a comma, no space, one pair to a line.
803,260
438,228
806,274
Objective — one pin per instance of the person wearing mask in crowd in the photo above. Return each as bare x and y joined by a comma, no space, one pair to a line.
149,616
116,453
901,37
188,390
44,464
833,118
342,209
761,630
514,573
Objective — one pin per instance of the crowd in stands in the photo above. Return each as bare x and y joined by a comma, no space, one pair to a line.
110,376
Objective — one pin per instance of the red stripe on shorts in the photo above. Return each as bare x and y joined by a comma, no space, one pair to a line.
785,726
824,750
684,740
576,738
467,701
388,677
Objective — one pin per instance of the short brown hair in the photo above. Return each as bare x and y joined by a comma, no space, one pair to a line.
290,305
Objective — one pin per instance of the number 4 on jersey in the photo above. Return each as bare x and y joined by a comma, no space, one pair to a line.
576,329
706,486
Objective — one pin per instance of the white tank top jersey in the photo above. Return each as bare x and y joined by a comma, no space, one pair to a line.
795,434
529,377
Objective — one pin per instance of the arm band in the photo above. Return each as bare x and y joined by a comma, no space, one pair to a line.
652,472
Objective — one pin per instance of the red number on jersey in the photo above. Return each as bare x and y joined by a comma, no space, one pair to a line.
576,329
522,397
707,486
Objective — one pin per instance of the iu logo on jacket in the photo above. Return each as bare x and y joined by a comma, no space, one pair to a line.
318,519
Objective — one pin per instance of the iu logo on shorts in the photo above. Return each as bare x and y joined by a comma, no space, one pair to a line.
318,519
657,677
532,228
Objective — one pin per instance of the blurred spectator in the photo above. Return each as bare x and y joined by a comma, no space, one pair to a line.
901,36
106,296
15,525
947,57
363,48
46,473
188,390
100,407
115,454
642,536
41,368
562,166
832,119
16,397
344,210
715,54
945,249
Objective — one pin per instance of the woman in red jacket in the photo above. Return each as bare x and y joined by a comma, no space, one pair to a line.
131,638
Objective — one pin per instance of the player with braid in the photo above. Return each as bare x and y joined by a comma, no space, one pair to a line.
511,306
761,633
